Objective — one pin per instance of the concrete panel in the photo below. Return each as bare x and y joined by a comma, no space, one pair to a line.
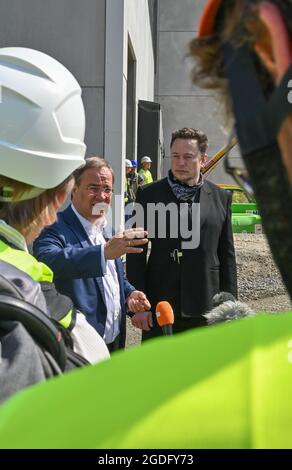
182,15
193,111
70,30
174,67
201,113
93,99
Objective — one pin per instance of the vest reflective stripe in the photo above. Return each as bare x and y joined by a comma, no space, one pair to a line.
67,320
146,175
25,262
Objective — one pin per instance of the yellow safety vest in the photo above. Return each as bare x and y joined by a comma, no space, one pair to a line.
146,175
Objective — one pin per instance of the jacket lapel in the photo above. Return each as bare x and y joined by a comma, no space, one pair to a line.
77,228
101,288
108,233
204,203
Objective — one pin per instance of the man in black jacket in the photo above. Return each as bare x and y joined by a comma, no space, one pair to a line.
192,254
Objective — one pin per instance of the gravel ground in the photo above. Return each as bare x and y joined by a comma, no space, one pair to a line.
259,282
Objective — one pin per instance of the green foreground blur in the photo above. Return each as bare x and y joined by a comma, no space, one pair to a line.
226,386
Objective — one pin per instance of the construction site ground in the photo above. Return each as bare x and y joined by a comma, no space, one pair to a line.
259,282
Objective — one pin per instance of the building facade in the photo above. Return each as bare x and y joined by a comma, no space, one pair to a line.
108,46
183,104
128,56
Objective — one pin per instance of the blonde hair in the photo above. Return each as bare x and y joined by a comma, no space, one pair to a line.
30,216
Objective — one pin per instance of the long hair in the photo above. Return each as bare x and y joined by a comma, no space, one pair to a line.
237,22
29,217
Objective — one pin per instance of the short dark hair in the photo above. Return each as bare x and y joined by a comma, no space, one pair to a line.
190,133
92,162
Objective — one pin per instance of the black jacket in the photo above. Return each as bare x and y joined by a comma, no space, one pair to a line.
202,272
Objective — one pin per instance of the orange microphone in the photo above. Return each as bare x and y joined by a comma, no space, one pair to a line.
165,317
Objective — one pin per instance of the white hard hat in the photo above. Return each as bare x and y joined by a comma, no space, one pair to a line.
42,119
128,163
146,160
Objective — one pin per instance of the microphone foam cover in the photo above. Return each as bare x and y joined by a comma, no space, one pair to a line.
164,313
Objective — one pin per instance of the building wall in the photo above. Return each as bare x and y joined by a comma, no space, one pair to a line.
182,103
74,33
91,39
127,22
139,30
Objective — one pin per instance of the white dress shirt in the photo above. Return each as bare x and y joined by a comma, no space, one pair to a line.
110,279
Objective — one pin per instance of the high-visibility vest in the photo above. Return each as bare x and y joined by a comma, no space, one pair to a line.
146,175
235,395
38,271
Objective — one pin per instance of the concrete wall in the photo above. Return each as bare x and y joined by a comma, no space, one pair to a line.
182,103
91,38
127,21
139,31
74,33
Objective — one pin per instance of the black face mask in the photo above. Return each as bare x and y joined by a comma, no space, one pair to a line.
257,123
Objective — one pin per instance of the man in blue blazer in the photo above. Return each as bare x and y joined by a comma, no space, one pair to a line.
85,256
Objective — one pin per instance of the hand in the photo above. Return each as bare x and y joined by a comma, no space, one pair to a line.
125,242
138,302
142,320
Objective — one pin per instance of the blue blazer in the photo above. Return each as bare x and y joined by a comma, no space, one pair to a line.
76,264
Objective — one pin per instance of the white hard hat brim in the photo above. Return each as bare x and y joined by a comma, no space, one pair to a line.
42,119
36,169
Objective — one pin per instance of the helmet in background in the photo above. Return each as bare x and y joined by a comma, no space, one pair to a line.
146,160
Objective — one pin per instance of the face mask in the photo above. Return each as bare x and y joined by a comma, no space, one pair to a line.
257,122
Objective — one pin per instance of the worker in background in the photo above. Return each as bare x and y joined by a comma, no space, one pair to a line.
128,168
135,180
145,172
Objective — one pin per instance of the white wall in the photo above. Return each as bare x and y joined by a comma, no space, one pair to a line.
125,19
73,32
137,24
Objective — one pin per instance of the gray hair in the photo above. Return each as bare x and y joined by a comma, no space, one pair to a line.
92,162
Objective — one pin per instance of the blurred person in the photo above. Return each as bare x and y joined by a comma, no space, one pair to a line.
187,277
134,165
127,192
85,256
135,179
243,52
145,172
